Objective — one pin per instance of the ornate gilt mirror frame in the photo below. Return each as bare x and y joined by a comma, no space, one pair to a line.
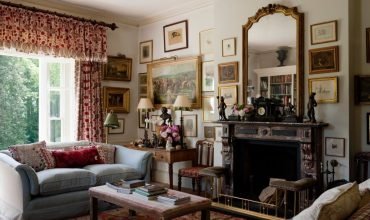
299,17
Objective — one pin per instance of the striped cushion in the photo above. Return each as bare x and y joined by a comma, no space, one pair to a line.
192,172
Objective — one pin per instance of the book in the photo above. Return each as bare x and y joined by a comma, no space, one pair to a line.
180,202
173,198
153,193
144,197
133,183
119,188
151,188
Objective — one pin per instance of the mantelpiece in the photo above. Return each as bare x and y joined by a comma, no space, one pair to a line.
307,137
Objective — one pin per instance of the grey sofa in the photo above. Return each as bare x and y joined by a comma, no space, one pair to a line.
60,193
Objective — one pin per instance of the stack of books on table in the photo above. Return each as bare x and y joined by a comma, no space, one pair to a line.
173,199
149,192
126,187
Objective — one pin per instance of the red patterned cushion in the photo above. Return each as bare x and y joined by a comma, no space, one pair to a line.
76,158
29,154
192,172
106,153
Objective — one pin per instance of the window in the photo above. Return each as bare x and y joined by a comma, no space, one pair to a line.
38,99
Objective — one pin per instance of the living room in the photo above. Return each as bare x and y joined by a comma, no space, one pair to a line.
347,121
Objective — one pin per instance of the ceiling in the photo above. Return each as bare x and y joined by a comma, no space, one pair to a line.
133,12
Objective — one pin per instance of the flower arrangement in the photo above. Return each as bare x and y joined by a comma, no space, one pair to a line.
170,133
241,109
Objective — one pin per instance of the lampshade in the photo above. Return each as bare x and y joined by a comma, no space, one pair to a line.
182,102
111,120
145,104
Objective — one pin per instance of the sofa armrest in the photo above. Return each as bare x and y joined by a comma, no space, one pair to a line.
140,160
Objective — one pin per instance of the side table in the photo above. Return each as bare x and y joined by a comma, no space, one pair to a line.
169,157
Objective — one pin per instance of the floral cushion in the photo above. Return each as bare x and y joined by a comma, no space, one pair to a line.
106,153
76,158
29,154
192,172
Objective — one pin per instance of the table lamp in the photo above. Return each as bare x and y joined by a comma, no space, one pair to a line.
146,105
182,103
111,121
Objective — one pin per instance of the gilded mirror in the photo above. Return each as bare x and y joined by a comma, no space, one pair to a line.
273,56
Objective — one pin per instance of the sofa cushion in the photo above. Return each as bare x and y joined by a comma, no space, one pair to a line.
113,172
337,203
61,180
362,213
76,158
106,153
29,154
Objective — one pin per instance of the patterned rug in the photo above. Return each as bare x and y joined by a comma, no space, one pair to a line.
122,214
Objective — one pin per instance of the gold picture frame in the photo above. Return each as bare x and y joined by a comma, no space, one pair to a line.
230,94
175,36
168,79
228,72
324,60
323,32
209,108
146,51
118,68
326,89
116,99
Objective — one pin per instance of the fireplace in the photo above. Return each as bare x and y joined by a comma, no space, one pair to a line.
253,152
256,161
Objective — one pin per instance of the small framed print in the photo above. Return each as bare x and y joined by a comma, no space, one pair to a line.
368,45
141,117
334,147
362,89
324,60
218,134
190,126
120,129
116,99
206,41
146,51
175,36
228,72
209,132
324,32
229,47
209,108
118,68
143,85
230,94
368,127
325,89
208,76
154,122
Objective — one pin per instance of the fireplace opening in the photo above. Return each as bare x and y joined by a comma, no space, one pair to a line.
256,161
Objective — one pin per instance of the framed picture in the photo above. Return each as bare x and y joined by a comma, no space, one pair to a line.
206,41
324,60
368,45
362,89
116,99
368,127
334,146
141,118
230,94
209,132
208,76
209,108
120,129
190,126
325,89
142,85
218,134
324,32
118,68
229,47
175,36
146,51
168,79
228,72
154,121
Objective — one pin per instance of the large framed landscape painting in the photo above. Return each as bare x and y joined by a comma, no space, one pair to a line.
168,79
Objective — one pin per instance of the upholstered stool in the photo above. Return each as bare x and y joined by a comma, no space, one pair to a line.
301,187
213,173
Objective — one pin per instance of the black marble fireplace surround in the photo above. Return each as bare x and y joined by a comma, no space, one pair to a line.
253,152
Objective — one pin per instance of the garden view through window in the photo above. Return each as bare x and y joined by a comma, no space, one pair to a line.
37,99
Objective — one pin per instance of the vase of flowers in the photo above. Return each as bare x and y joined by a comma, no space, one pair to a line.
245,112
170,133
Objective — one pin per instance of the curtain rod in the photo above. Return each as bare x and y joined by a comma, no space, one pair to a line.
34,9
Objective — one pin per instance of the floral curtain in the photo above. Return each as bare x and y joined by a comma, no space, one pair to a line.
37,32
88,93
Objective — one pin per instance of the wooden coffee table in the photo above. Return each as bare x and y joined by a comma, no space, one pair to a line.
153,208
